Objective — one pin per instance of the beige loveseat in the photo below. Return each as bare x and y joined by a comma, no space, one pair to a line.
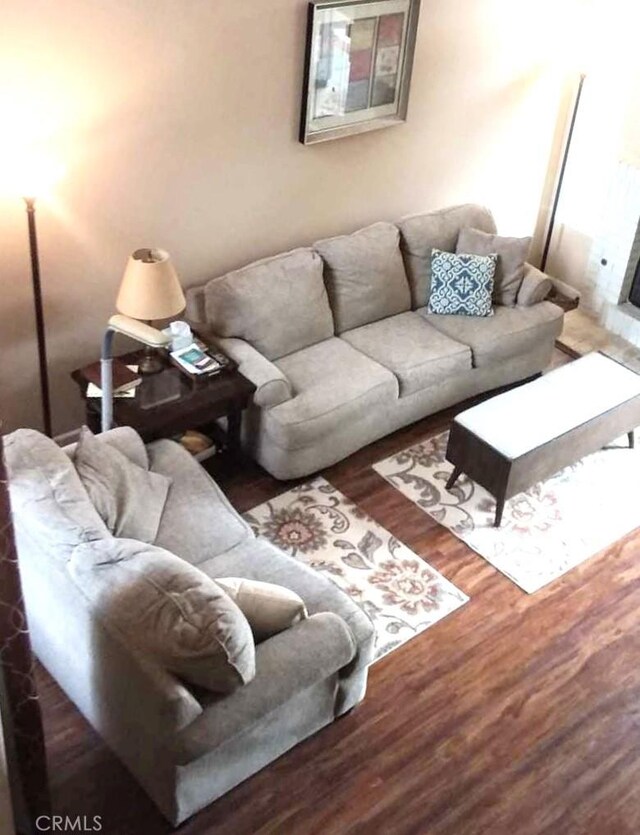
185,745
337,339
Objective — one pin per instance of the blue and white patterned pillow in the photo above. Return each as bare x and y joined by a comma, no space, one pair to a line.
461,284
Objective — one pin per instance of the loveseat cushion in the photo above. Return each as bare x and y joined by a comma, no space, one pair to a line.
198,520
169,610
47,496
365,275
278,305
510,332
333,384
268,607
417,353
129,498
419,234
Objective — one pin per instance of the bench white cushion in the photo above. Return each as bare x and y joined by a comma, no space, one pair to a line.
529,416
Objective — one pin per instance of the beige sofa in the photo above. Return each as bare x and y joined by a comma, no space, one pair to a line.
337,339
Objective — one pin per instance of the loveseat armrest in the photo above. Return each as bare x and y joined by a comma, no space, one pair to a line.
126,683
290,662
538,286
272,386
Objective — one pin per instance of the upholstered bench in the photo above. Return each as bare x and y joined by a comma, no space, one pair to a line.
513,441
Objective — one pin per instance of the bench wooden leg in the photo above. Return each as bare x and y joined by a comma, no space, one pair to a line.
499,508
632,440
457,471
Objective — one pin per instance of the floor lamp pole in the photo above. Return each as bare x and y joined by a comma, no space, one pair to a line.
37,301
565,157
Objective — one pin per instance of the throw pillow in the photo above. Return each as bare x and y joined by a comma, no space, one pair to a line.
169,610
461,284
512,254
269,608
129,499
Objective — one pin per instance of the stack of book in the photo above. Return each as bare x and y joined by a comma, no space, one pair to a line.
125,379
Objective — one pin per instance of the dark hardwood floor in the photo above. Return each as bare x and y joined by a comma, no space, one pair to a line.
517,714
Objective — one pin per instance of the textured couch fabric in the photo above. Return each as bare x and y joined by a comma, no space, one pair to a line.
185,746
389,362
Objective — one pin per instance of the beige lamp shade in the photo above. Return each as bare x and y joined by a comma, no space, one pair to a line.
150,287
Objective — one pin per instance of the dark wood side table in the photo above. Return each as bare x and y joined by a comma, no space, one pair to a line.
170,402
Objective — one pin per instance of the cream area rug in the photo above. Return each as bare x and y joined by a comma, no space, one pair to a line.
545,532
401,593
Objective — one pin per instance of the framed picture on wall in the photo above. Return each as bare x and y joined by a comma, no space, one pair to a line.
357,66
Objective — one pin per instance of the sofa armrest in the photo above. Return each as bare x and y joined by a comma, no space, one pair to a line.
288,663
167,704
272,387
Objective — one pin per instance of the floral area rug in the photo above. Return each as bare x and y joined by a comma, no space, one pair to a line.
400,592
545,532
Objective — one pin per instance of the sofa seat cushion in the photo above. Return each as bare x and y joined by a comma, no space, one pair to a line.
419,234
365,275
198,520
510,332
417,353
249,303
333,384
259,559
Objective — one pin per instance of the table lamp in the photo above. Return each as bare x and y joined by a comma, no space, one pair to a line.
150,290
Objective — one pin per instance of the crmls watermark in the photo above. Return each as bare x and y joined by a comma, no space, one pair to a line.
67,823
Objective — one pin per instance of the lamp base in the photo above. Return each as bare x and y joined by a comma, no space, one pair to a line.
151,362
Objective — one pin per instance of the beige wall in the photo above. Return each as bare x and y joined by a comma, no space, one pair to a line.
177,123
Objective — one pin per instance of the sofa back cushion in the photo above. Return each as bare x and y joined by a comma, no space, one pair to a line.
50,506
279,305
365,276
419,234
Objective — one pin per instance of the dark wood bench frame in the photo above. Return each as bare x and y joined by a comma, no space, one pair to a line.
504,477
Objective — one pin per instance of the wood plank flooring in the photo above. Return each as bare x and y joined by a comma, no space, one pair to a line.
517,714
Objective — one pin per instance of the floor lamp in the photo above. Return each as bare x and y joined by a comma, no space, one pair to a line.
39,313
565,157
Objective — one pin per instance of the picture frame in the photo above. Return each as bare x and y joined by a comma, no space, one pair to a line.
358,62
